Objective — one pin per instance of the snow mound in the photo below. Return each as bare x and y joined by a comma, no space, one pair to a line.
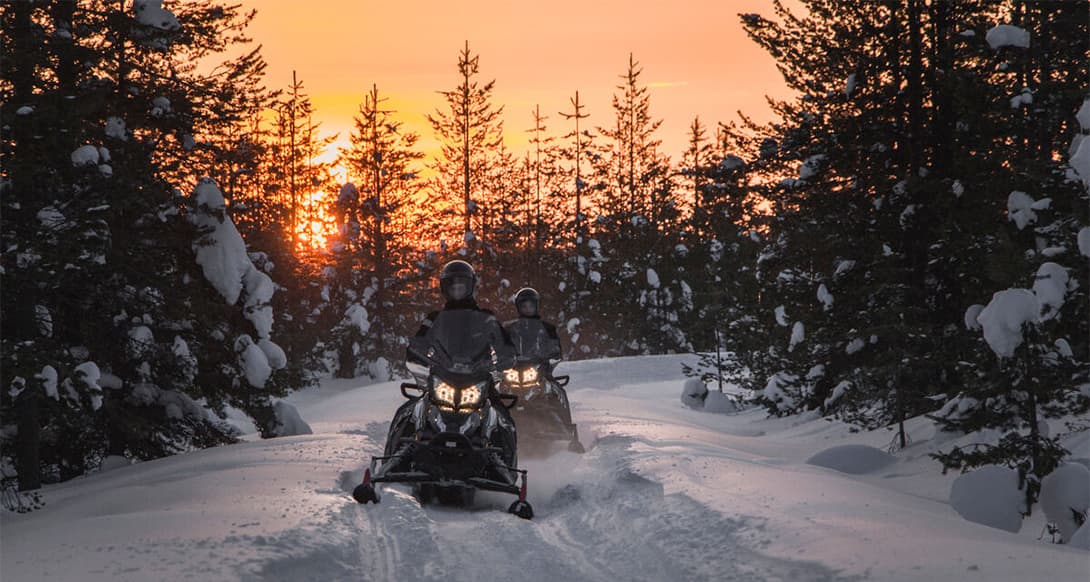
85,156
288,420
1004,316
1081,538
852,459
694,393
1065,492
1084,241
989,496
719,402
1007,35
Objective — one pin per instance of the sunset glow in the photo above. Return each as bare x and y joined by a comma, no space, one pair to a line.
695,56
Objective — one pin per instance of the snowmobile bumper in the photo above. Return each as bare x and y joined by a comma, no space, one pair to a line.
448,459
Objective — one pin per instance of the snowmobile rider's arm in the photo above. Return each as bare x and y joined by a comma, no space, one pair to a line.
501,343
420,339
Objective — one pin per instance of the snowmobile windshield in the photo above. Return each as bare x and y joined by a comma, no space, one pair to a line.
462,341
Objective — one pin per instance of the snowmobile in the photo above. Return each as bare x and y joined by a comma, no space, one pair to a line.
455,434
542,411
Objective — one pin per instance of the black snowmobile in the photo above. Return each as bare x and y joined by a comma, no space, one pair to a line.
542,411
455,435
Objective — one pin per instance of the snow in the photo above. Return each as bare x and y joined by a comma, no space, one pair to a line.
24,110
825,297
989,496
356,316
811,166
259,292
663,493
221,253
288,420
1065,492
254,362
838,391
595,277
1080,161
652,279
852,459
1004,316
774,391
719,403
1023,98
781,316
1081,538
1020,209
115,128
85,156
854,346
971,317
160,106
1049,286
273,353
1007,35
849,85
1084,241
843,266
957,188
151,13
693,393
48,376
798,334
141,340
1083,115
89,374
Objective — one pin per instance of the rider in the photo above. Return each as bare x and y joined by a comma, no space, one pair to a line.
534,339
458,284
536,342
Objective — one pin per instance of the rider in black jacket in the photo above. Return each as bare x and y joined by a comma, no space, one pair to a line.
534,339
458,283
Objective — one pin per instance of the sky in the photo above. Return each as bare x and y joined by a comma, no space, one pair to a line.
695,56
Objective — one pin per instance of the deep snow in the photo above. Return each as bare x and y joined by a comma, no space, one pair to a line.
663,493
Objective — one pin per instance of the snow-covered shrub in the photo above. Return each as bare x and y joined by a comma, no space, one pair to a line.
289,423
1065,498
719,402
990,496
693,393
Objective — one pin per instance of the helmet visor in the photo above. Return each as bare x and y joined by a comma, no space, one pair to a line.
527,308
458,288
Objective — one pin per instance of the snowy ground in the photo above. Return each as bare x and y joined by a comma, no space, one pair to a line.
663,493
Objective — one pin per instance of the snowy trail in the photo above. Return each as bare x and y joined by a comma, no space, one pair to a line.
662,493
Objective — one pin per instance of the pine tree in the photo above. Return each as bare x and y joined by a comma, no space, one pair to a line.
376,229
470,131
105,337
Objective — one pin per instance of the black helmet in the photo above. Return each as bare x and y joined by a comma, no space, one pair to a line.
527,301
457,281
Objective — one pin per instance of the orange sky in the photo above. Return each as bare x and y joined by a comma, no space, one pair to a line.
695,56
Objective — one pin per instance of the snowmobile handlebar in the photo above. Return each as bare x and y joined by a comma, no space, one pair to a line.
410,386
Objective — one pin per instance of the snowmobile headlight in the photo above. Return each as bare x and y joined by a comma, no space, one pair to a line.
511,376
444,395
471,396
529,375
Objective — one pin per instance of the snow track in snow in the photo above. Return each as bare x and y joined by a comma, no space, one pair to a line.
596,520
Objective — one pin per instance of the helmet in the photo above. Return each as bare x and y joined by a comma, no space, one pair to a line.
457,281
527,301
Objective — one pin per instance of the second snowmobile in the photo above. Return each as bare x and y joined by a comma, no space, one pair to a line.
542,411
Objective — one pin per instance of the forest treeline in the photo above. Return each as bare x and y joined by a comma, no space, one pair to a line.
840,256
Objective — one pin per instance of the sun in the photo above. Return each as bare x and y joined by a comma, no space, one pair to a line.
317,228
